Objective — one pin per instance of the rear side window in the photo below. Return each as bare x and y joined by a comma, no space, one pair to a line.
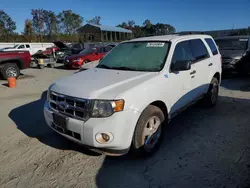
21,46
199,50
212,46
182,52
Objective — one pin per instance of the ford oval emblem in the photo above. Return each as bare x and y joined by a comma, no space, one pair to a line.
63,105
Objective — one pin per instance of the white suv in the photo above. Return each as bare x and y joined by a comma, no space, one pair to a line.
124,103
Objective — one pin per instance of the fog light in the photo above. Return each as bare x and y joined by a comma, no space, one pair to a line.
103,137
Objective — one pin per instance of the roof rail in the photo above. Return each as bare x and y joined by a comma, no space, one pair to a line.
190,32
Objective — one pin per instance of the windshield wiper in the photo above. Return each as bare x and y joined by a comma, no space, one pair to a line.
124,68
103,66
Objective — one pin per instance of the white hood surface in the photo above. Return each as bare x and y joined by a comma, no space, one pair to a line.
100,83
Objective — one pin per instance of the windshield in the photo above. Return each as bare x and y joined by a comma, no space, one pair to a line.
232,44
16,46
137,56
88,51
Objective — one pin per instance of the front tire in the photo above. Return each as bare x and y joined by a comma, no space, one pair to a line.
10,70
148,133
210,99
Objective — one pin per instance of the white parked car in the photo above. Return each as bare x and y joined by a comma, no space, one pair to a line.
124,103
32,48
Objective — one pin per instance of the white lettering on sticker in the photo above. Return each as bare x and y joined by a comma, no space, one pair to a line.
155,44
243,39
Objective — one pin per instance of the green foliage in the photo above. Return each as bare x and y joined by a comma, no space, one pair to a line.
69,22
7,26
96,20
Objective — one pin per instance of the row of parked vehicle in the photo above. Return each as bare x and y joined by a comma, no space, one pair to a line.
12,60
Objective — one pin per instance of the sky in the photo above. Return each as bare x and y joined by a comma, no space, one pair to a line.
182,14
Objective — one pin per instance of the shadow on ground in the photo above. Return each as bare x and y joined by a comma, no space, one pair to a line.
30,120
202,148
234,81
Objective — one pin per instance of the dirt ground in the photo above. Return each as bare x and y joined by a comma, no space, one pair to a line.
202,147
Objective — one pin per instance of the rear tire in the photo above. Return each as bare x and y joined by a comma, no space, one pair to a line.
10,70
148,134
210,99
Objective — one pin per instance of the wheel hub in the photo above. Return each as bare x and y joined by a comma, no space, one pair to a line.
11,72
152,132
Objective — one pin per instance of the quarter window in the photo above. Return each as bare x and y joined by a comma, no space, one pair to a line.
199,50
212,46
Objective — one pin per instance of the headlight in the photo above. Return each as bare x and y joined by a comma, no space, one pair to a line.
103,108
237,57
78,60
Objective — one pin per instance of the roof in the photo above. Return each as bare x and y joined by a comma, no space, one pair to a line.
170,37
110,28
234,37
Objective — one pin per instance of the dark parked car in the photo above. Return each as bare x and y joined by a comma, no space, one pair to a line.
235,52
60,51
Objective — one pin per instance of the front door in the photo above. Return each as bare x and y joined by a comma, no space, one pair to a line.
181,82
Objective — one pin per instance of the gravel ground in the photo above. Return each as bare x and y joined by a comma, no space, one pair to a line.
202,147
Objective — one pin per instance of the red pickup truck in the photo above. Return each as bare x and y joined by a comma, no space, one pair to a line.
12,62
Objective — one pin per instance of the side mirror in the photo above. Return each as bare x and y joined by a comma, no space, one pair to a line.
181,66
96,53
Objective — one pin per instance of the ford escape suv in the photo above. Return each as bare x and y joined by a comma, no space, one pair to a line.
123,103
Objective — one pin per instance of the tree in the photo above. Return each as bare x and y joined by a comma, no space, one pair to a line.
147,23
38,21
131,24
96,20
28,30
70,21
123,25
51,24
7,25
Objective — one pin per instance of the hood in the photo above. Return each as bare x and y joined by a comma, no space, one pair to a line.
232,53
60,45
99,83
90,65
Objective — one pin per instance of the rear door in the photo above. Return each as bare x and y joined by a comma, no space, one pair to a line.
200,64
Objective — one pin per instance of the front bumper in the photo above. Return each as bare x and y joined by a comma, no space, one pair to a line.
121,125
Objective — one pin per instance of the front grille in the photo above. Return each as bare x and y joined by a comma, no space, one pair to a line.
70,106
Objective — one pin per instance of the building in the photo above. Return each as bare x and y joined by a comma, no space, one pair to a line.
100,33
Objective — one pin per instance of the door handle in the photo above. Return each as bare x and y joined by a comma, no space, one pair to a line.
210,64
193,72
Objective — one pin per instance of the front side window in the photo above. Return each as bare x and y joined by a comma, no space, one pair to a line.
182,52
137,56
199,50
232,44
27,46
